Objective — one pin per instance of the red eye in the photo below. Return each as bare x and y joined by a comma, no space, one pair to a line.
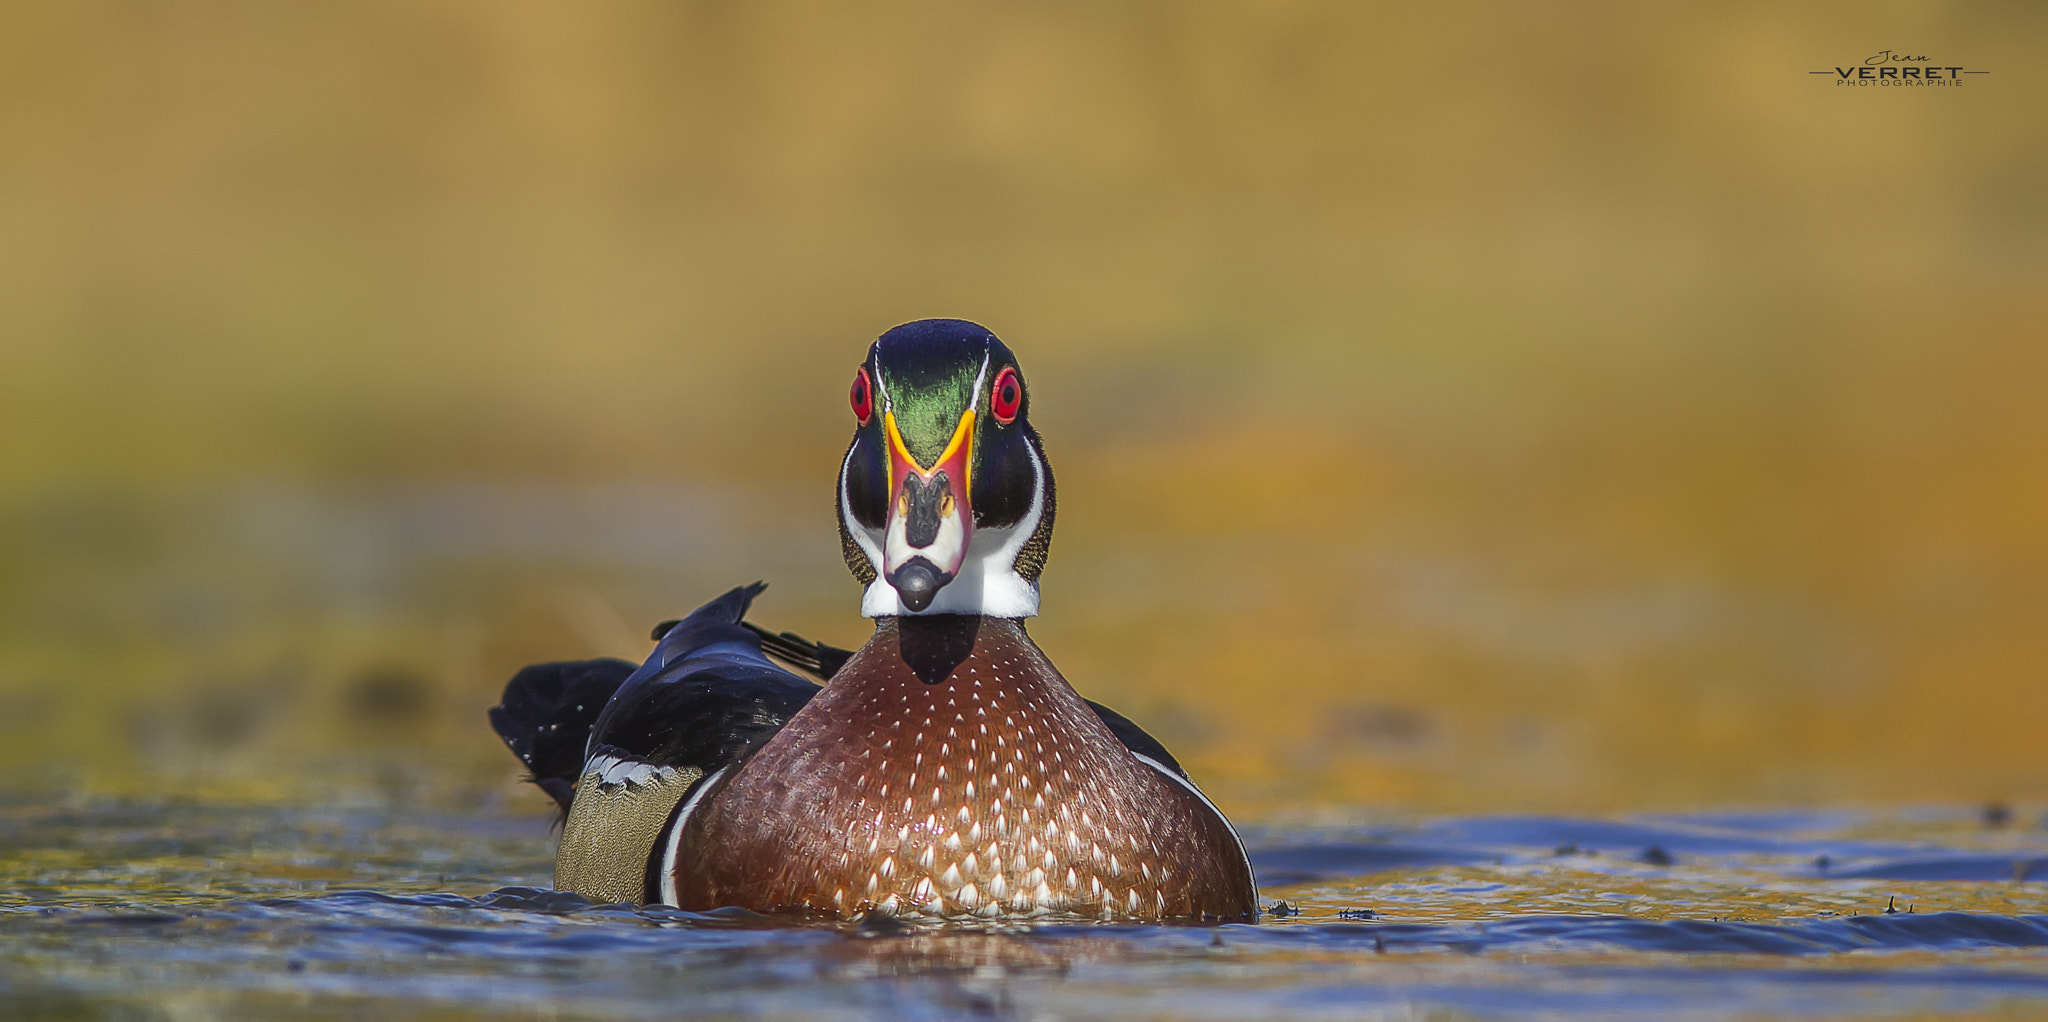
862,396
1007,397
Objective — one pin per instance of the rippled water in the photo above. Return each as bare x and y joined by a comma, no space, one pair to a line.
197,910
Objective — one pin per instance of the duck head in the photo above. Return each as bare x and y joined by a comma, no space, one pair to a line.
945,497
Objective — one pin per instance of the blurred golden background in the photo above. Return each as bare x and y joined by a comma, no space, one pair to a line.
1457,407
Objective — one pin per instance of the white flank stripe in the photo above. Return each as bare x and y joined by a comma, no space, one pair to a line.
1190,785
675,836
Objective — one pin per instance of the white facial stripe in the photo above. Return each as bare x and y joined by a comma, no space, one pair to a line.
675,836
888,404
974,400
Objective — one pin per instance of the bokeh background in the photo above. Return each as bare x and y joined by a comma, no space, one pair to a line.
1457,406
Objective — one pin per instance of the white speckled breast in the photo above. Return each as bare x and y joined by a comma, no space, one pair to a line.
948,770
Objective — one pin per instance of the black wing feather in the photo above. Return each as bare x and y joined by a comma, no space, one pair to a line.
546,716
816,658
708,719
706,694
1135,738
704,698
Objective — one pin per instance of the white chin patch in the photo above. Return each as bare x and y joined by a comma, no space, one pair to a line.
945,549
986,584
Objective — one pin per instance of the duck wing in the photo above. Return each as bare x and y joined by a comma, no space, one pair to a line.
546,715
622,749
706,696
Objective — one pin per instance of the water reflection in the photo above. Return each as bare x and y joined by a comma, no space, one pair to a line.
389,908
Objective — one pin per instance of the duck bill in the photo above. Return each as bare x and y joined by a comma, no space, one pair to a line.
930,520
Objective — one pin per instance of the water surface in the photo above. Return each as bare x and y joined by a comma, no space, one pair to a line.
169,909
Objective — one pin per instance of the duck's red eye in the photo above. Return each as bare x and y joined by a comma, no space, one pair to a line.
1007,397
862,396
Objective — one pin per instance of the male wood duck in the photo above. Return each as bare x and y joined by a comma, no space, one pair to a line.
946,770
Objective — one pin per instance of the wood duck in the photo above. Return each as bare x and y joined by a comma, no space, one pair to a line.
946,769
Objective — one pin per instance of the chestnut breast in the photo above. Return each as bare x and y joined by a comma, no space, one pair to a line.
948,770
